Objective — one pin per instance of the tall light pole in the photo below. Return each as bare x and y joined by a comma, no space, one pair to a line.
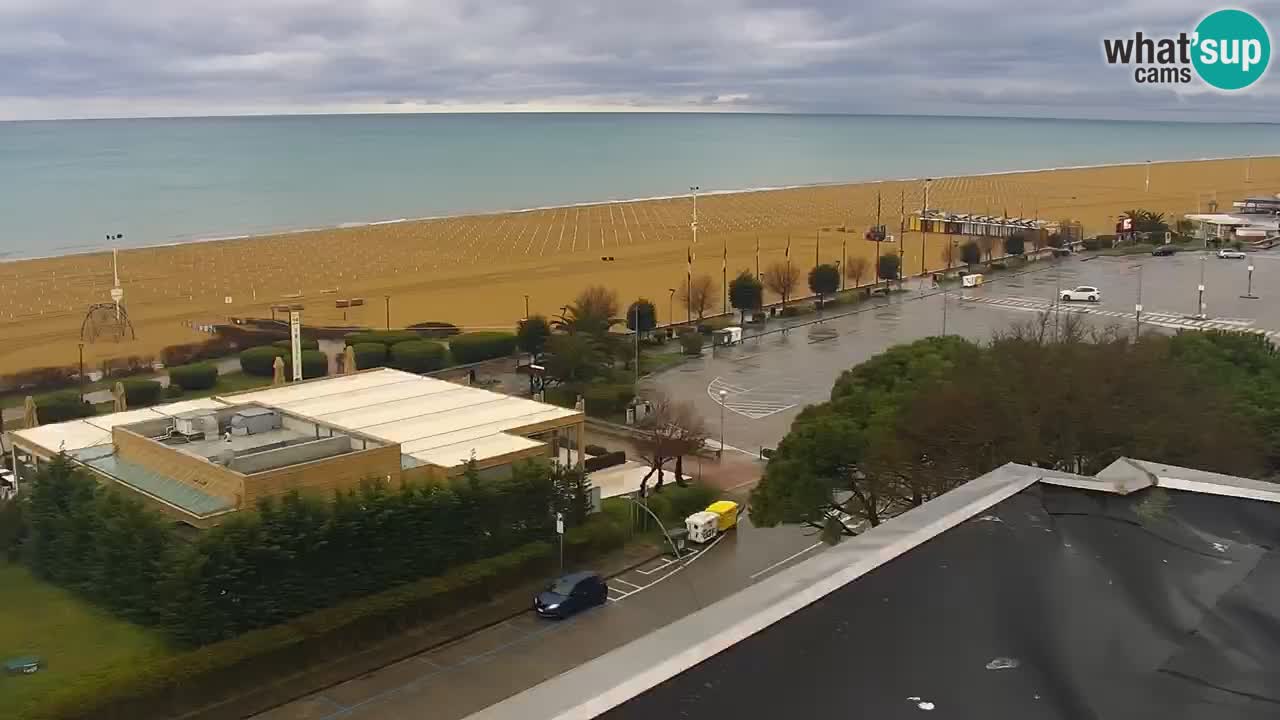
526,307
844,258
924,210
117,292
723,395
387,298
694,225
671,299
636,320
1148,184
1137,307
1204,255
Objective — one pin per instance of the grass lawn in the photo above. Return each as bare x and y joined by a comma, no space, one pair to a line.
74,639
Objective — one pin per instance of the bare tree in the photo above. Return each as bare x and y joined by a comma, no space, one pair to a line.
854,269
672,430
985,244
696,294
781,279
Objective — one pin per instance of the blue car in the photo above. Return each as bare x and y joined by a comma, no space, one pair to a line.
571,594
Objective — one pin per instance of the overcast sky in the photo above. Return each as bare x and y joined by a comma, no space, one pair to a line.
100,58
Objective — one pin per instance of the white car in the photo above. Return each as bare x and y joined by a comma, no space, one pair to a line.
1230,254
1086,293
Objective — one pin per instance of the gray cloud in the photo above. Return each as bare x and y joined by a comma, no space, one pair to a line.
74,58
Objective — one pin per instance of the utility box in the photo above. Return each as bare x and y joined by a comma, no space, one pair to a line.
972,280
702,526
196,422
731,335
253,421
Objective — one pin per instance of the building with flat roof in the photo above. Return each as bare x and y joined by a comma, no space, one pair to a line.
201,460
1146,591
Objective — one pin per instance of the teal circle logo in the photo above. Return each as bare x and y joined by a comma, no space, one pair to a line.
1232,49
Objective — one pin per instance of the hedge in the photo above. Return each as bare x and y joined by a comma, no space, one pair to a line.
314,364
674,503
477,346
607,399
691,343
384,337
369,355
595,450
600,462
417,356
62,406
178,684
260,361
141,393
600,534
288,344
200,376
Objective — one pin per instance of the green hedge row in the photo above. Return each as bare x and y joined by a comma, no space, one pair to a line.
369,355
200,376
417,356
260,361
676,503
288,344
691,343
608,399
314,364
177,684
141,393
62,406
477,346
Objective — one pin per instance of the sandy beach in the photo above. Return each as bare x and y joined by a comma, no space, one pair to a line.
474,271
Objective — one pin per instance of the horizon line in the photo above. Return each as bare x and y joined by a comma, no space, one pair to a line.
628,111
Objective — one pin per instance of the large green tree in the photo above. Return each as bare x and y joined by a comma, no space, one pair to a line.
746,293
532,335
824,280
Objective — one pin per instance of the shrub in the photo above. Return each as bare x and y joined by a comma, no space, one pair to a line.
389,338
691,343
595,450
606,460
260,361
306,344
417,356
200,376
562,395
62,406
192,352
436,330
793,311
598,535
314,364
173,391
369,355
141,393
477,346
603,399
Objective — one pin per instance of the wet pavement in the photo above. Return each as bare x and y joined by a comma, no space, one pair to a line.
486,667
767,380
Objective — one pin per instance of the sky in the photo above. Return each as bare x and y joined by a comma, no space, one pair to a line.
1024,58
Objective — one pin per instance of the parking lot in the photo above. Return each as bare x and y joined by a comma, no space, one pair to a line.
766,381
457,679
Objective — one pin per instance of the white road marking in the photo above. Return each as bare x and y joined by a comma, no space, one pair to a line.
785,560
1158,319
624,582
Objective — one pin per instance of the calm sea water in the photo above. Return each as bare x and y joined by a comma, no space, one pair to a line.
64,185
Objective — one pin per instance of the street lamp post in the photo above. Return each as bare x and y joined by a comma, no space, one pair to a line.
526,307
1137,307
80,377
1248,293
1200,288
723,395
844,259
387,298
923,212
671,302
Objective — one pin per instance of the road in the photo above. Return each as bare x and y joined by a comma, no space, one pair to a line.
768,380
461,678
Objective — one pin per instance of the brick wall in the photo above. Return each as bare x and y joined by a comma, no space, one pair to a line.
197,472
323,477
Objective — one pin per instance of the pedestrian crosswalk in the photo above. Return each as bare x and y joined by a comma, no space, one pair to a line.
1156,318
753,403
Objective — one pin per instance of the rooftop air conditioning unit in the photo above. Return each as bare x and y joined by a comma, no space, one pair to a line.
197,422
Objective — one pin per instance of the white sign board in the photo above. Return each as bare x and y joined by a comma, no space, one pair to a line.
295,342
559,523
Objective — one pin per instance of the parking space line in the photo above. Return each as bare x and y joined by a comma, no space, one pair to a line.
624,582
784,561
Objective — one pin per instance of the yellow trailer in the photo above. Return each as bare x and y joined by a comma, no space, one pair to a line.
727,513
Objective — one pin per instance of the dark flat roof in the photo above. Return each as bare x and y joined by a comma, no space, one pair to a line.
1056,602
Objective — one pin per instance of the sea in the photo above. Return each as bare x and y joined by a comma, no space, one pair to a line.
65,186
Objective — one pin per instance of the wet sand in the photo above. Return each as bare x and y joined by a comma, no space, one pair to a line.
474,271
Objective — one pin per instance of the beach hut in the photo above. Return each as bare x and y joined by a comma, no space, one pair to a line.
30,414
349,361
277,376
